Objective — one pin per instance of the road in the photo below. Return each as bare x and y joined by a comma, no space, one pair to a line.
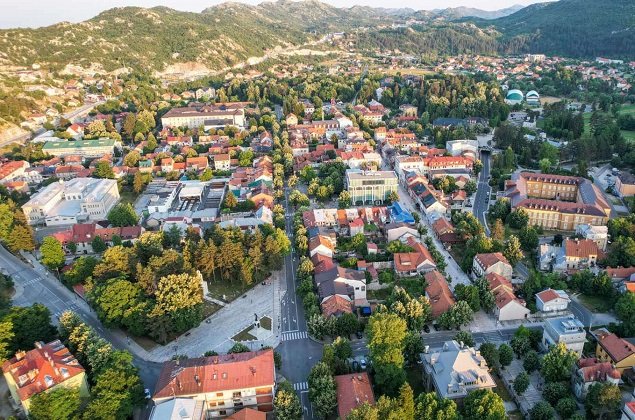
588,318
483,192
435,339
39,286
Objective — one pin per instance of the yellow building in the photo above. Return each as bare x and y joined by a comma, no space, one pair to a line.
619,352
45,368
558,202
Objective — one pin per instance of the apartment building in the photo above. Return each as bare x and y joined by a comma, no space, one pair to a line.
79,200
214,116
84,148
368,187
567,330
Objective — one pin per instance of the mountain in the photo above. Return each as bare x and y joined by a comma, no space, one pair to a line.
574,28
454,13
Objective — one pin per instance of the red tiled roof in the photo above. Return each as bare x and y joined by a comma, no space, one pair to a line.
248,414
12,166
216,373
594,371
318,240
336,305
580,248
620,273
352,391
618,348
548,295
496,281
489,259
322,263
439,293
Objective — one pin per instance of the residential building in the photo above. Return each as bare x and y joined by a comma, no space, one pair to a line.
419,261
625,184
215,116
598,234
551,300
46,368
628,412
342,281
225,383
462,147
438,293
368,187
321,245
456,370
69,202
400,231
494,262
567,330
13,171
580,254
336,305
618,351
85,148
508,307
222,162
353,390
178,409
83,234
589,371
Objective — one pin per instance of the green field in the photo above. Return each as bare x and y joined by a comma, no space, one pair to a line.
625,109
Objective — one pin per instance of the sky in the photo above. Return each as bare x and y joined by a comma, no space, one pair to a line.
35,13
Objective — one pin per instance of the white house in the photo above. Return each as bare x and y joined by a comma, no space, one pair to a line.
400,231
551,300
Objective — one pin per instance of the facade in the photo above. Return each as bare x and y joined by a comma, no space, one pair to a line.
43,369
625,184
214,116
438,293
591,371
598,234
353,390
82,235
556,201
567,330
508,307
85,148
551,300
75,201
456,370
494,262
580,254
225,384
619,352
514,97
369,187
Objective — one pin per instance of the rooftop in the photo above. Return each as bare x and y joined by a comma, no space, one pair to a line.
353,390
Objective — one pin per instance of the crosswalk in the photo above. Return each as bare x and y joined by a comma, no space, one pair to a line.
71,307
29,282
301,386
296,335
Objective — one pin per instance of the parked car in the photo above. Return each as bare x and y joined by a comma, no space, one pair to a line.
362,364
359,334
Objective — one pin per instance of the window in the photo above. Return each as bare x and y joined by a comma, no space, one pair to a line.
219,394
237,394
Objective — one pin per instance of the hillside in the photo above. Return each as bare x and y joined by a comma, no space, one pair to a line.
454,13
575,28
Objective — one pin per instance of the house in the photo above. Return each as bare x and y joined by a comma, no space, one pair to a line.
222,162
248,414
598,234
225,383
620,274
580,253
625,184
83,234
336,305
611,348
493,262
589,371
456,370
342,281
13,171
45,368
322,263
179,408
419,261
167,165
567,330
196,163
291,120
551,300
400,231
438,293
321,245
398,214
507,306
146,166
356,226
628,412
353,390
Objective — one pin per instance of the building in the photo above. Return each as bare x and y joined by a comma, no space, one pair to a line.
532,98
336,305
179,408
13,171
400,232
43,369
567,330
625,184
514,96
82,235
619,352
438,293
353,390
455,370
557,202
419,261
225,383
321,245
580,254
508,307
370,187
493,262
79,200
598,234
344,282
551,300
215,116
591,371
85,148
461,147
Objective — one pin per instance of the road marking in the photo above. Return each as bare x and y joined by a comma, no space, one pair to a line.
298,335
301,386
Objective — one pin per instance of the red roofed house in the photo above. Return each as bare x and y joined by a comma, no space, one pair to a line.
353,390
619,352
580,253
83,234
225,383
438,293
590,371
336,305
551,300
222,162
508,306
197,163
248,414
408,264
494,262
167,164
620,273
321,245
42,369
13,171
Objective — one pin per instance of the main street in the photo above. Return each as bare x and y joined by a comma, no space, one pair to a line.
483,192
435,339
39,286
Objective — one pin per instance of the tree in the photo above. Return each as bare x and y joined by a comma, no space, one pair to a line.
625,310
52,253
557,364
322,390
21,238
566,407
346,324
393,197
132,158
498,230
529,240
123,214
465,337
344,200
287,405
532,361
386,333
470,294
103,170
505,355
58,404
555,391
389,378
521,383
520,344
513,251
138,182
230,201
483,404
541,411
490,354
459,314
238,348
429,406
518,218
98,245
364,411
81,269
603,400
30,324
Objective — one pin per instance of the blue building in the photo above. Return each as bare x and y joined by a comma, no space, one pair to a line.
400,214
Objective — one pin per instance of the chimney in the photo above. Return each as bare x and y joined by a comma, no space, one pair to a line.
19,355
198,380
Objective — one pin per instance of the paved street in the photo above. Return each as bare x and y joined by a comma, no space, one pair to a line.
588,318
483,191
435,339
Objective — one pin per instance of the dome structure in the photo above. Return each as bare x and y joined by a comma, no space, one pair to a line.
514,96
532,98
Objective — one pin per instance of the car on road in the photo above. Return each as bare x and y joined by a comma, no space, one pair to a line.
426,328
359,334
362,364
147,393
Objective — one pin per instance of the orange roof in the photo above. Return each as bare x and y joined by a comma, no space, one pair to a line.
618,348
630,286
496,281
353,390
200,161
318,240
620,272
439,293
580,248
489,259
548,295
216,373
248,414
41,368
336,305
408,261
322,263
12,166
442,226
504,296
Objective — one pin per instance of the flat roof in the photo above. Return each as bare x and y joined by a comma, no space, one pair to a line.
77,144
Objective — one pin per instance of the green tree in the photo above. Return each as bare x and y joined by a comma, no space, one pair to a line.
513,250
459,314
465,337
363,411
322,390
505,355
555,391
103,170
52,253
98,245
625,310
566,407
483,404
386,333
429,406
490,354
123,214
541,411
230,201
60,403
287,404
518,218
521,383
393,197
557,364
531,361
470,294
238,348
603,400
498,230
529,240
521,345
30,324
344,200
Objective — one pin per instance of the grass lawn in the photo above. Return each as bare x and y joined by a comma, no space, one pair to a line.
627,109
265,322
379,294
210,308
226,291
128,196
414,378
628,135
145,342
244,335
596,303
500,389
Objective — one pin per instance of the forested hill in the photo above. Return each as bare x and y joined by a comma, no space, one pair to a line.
574,28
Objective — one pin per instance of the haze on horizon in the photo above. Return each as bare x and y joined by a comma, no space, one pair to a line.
31,13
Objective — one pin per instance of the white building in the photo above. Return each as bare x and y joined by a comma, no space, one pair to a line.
598,234
79,200
567,330
551,300
209,116
458,147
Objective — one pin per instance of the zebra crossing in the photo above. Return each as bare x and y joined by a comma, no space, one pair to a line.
301,386
31,281
71,307
295,335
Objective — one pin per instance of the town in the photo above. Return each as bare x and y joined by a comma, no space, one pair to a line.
348,235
